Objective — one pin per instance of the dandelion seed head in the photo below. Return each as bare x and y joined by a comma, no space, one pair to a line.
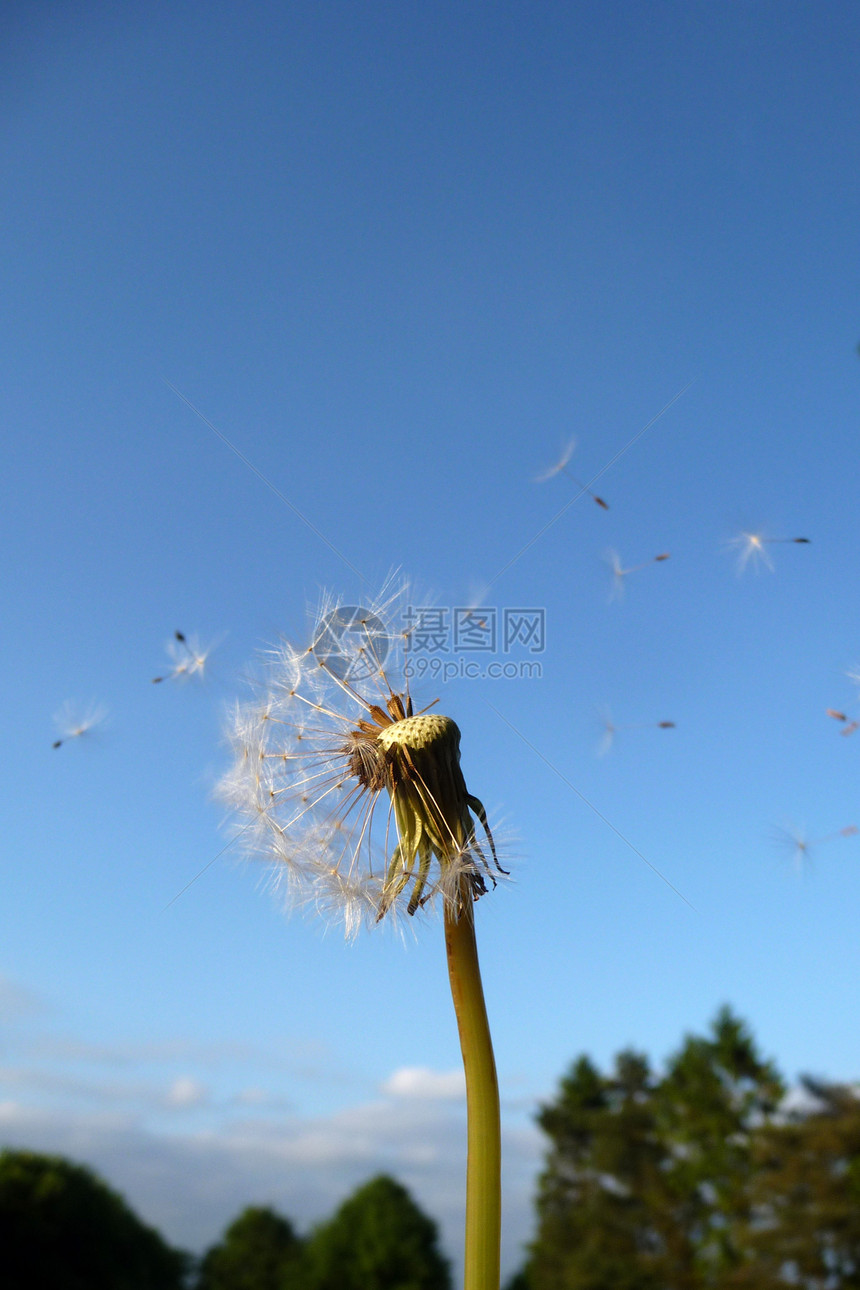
356,800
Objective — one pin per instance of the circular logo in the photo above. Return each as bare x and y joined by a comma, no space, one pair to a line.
351,642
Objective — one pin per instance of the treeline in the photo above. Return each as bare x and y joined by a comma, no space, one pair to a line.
63,1228
701,1176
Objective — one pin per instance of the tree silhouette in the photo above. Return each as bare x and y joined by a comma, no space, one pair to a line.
60,1225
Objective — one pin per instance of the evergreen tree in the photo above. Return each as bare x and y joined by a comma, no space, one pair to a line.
378,1240
258,1251
597,1220
717,1092
805,1218
61,1226
648,1181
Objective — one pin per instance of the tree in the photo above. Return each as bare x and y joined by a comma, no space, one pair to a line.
60,1225
648,1181
806,1192
378,1240
716,1094
597,1217
259,1251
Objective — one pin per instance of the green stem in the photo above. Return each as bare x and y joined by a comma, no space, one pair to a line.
483,1170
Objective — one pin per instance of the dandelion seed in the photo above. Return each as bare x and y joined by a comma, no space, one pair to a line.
357,799
560,467
848,727
619,573
73,722
751,549
801,846
610,730
188,657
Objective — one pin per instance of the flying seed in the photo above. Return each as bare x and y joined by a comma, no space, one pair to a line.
610,730
560,468
188,656
74,722
751,547
619,573
796,840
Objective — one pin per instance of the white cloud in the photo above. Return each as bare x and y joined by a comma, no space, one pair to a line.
421,1082
193,1132
191,1185
186,1091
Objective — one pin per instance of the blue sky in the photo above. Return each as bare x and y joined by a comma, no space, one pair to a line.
399,255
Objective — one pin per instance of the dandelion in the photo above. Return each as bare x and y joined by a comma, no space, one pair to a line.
610,730
187,656
619,573
801,846
73,721
359,802
751,548
560,467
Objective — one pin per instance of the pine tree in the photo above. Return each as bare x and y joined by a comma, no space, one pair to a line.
648,1183
717,1092
806,1192
597,1229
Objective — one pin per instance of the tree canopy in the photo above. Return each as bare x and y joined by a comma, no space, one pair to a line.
258,1251
697,1178
60,1225
378,1240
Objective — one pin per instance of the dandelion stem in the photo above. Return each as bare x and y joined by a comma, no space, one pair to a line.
483,1169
